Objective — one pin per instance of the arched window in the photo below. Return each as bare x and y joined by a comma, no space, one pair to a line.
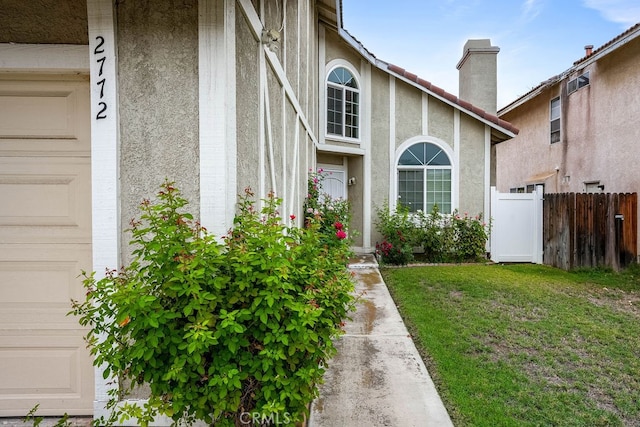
343,104
424,178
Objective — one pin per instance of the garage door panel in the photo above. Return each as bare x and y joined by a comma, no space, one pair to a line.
37,285
48,199
39,116
45,243
45,369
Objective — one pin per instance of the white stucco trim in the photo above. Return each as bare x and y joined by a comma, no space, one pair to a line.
487,173
217,108
455,197
365,136
44,58
425,113
262,89
322,102
105,147
449,152
340,149
393,175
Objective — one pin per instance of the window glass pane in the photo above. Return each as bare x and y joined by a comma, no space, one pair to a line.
583,80
441,159
409,159
334,110
439,190
343,76
555,109
410,189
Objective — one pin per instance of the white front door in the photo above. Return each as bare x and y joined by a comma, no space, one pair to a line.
45,242
334,182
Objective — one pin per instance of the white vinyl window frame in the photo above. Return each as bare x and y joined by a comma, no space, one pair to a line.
555,121
342,135
446,148
578,83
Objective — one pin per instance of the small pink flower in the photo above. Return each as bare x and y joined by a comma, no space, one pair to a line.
338,225
315,180
341,234
309,210
293,217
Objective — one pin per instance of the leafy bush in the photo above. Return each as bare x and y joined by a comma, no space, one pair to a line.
220,332
442,238
400,235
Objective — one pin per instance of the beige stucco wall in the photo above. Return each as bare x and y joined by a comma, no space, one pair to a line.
599,132
157,44
380,157
519,161
472,166
408,105
44,21
440,120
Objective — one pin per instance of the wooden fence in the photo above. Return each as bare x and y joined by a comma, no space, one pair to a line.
589,230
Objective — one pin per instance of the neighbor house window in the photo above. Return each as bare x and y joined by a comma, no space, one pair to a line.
577,83
343,104
555,120
424,178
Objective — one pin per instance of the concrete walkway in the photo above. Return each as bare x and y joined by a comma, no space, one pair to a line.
377,378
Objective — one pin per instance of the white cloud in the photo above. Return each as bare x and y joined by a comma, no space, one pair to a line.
531,9
625,12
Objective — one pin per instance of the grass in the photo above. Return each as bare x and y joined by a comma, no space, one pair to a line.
526,345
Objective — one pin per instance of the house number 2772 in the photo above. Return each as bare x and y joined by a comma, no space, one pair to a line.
100,58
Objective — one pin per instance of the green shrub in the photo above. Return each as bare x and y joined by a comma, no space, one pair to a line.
220,332
442,238
400,234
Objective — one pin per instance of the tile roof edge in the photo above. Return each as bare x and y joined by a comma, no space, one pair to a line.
460,103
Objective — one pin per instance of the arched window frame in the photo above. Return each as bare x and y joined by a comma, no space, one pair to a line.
342,136
446,148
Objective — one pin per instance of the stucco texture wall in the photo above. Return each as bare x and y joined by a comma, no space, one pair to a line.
380,141
158,101
441,120
472,164
247,106
408,112
44,21
336,48
520,160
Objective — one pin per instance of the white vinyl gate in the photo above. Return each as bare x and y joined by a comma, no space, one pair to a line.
516,233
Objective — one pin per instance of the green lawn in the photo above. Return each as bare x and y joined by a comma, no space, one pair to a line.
526,345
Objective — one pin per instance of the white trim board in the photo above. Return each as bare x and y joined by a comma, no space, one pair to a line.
50,58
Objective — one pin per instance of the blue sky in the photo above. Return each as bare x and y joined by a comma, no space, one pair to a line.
538,39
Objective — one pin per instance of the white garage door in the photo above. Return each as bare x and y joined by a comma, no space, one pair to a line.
45,242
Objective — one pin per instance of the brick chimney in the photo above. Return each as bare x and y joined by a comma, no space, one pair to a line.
477,73
588,50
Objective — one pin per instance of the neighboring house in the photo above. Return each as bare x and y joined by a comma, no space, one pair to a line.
579,130
100,101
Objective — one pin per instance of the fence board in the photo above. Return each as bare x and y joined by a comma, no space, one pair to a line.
589,230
